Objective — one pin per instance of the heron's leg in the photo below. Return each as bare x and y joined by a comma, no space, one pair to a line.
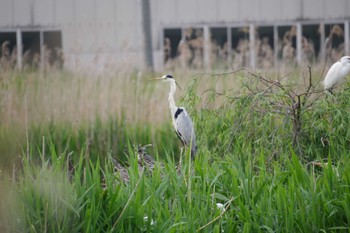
179,166
181,156
330,96
329,92
181,153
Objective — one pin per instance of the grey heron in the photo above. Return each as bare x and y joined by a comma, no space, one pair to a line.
182,121
144,159
337,73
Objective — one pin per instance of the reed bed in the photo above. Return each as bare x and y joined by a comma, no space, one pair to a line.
257,169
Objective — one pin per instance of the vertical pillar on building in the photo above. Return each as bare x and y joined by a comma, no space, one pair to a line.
252,49
299,43
161,36
229,46
346,37
42,51
19,48
275,46
206,50
147,33
322,55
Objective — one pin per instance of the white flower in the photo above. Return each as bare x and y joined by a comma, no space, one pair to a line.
220,206
145,219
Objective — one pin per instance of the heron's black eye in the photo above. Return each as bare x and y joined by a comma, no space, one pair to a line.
169,76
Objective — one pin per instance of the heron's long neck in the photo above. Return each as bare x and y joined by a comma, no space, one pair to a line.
171,98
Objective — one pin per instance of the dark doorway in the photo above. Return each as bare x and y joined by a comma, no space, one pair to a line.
31,49
53,48
219,47
172,38
8,52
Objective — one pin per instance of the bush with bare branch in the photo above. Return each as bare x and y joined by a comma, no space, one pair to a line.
277,115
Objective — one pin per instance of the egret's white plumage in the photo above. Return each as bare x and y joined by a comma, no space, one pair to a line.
337,73
181,119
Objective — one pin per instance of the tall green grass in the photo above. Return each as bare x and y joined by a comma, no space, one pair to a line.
64,180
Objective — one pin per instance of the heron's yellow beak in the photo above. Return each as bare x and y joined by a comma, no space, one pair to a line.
155,79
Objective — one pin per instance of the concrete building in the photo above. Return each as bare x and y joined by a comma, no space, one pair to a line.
136,34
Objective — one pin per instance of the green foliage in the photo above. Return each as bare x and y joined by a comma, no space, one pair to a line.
247,161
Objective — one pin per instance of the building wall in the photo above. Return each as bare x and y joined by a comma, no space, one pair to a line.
184,14
107,32
95,33
208,11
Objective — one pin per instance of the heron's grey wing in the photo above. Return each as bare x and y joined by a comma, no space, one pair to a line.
185,129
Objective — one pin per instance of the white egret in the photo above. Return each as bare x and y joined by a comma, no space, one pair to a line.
181,119
337,73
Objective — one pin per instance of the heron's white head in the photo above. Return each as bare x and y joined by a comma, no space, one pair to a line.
345,60
168,78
